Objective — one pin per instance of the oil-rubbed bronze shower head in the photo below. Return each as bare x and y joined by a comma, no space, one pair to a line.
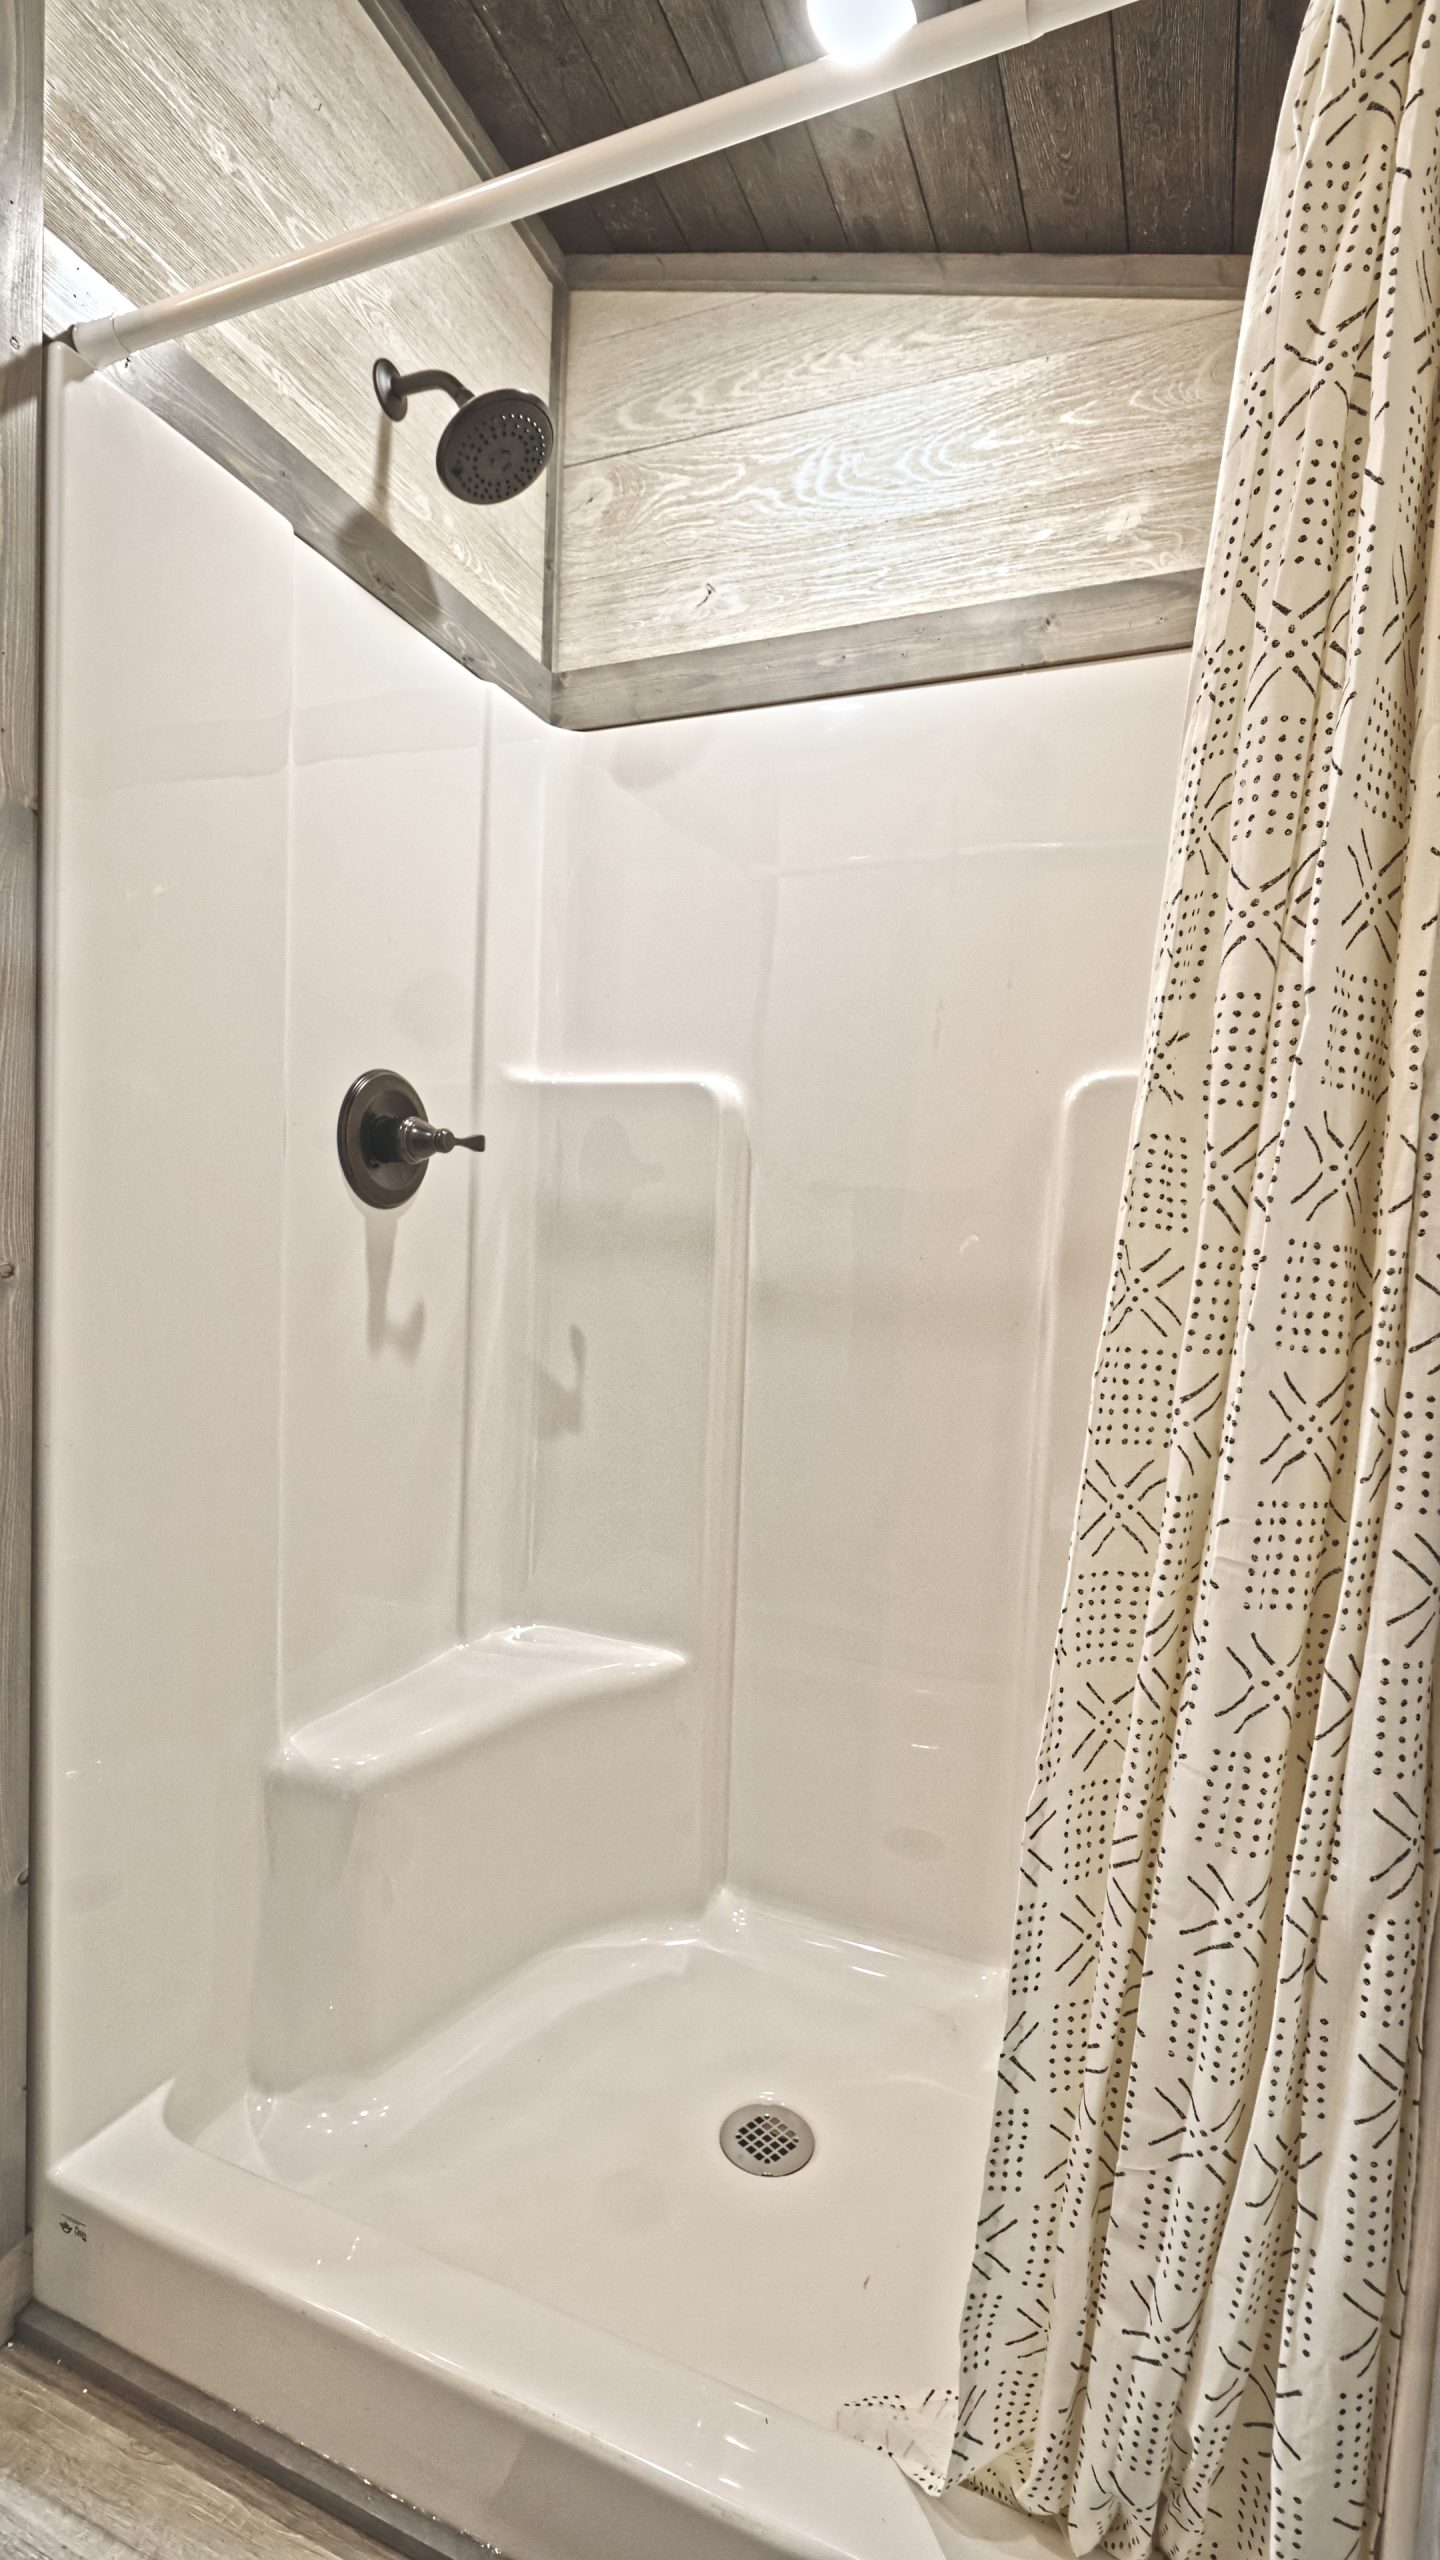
497,443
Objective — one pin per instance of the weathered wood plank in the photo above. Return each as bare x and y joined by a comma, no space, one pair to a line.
91,2469
469,55
1267,38
959,136
729,42
1178,279
863,151
738,505
17,2272
542,49
199,407
649,373
424,67
186,138
1027,150
1177,122
21,119
635,53
1130,618
1060,96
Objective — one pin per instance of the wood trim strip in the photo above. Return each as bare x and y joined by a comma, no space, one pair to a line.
180,391
188,398
16,2285
555,484
50,2337
458,117
1174,279
1126,619
22,24
1123,618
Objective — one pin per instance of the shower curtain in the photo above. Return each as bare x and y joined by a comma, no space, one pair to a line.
1188,2289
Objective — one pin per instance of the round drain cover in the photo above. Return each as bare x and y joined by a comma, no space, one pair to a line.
767,2141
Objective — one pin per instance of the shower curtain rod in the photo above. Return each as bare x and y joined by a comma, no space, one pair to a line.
967,34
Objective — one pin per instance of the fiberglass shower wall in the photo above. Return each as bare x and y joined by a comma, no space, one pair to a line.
885,960
264,868
915,930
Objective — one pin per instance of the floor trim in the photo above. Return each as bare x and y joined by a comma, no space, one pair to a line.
326,2485
16,2268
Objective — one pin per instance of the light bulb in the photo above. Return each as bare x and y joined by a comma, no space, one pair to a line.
859,30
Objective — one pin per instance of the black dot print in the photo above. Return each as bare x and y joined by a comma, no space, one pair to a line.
1187,2301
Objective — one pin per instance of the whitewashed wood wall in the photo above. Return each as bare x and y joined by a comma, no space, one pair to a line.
188,138
741,466
744,463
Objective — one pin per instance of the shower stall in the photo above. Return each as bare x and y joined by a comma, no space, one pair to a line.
544,1673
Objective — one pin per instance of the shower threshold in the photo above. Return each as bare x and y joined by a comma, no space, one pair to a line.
515,2279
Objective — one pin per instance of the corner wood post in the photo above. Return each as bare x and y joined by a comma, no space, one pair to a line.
21,123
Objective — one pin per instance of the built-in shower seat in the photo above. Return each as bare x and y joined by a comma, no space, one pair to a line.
426,1839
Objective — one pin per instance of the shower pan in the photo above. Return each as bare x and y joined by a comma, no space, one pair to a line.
539,1680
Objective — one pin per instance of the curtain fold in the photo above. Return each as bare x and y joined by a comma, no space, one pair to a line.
1183,2319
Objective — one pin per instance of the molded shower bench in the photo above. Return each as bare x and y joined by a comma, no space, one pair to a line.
427,1838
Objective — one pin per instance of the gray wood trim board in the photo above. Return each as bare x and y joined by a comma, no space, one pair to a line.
458,117
17,2284
21,177
1123,618
555,477
50,2339
1128,619
1171,279
200,407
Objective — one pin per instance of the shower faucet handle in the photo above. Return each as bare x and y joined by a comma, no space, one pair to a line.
415,1141
385,1140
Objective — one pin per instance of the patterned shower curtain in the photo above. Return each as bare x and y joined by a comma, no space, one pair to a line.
1183,2319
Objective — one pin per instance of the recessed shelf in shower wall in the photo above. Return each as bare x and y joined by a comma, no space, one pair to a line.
609,1293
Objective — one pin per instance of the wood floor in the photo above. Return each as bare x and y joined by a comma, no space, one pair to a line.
83,2477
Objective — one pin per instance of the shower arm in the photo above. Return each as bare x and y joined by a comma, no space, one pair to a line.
971,33
394,390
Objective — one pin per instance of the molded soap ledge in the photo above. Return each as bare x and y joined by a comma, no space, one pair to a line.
429,1838
463,1696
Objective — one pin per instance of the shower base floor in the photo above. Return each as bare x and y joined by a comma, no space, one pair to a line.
514,2280
563,2140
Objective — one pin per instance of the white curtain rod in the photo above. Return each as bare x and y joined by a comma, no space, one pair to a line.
967,34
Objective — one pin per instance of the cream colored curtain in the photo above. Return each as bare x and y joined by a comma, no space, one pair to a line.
1188,2292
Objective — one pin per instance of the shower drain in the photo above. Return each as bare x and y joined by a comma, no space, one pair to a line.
766,2141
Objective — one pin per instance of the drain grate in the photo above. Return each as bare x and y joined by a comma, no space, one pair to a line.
767,2141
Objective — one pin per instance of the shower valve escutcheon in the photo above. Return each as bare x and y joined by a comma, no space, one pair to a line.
386,1141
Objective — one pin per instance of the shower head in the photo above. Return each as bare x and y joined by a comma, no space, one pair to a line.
496,444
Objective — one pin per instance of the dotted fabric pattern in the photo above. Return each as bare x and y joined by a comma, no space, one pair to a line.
1182,2325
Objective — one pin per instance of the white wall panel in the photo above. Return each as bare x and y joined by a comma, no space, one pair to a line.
166,816
383,961
912,927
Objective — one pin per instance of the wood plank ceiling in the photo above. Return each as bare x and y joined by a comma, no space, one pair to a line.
1148,130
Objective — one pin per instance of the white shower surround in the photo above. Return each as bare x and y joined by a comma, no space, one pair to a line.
307,1791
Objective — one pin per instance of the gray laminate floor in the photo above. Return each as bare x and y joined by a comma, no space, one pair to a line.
83,2477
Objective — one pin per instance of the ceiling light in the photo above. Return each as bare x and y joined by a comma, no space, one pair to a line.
859,30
